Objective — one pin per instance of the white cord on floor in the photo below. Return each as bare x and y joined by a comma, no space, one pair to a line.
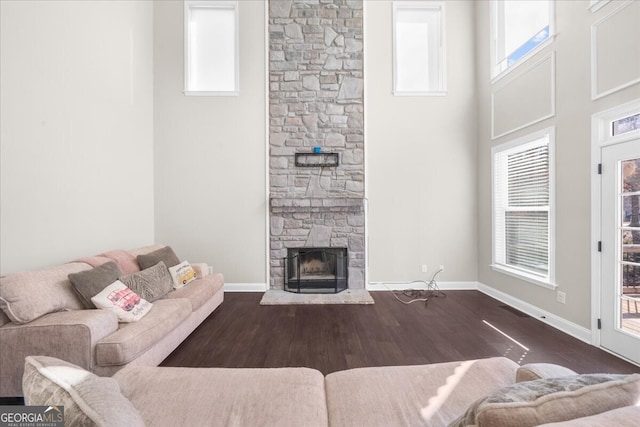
432,290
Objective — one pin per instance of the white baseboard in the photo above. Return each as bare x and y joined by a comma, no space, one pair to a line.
576,331
245,287
401,286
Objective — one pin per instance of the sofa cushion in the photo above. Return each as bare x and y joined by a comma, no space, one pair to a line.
200,290
226,396
432,394
87,399
550,400
537,371
88,284
124,259
151,283
628,416
123,302
133,339
165,255
29,295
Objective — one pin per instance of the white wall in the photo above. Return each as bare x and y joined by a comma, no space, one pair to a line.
210,189
421,158
76,141
572,120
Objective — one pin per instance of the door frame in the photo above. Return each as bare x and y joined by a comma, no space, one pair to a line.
601,137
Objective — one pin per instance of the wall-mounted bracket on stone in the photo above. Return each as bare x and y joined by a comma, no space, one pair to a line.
317,159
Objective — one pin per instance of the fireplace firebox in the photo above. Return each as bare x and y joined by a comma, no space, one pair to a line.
316,270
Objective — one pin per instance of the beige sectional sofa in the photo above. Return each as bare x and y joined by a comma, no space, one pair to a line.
492,392
42,314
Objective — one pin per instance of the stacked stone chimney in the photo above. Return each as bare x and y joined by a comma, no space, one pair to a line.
316,100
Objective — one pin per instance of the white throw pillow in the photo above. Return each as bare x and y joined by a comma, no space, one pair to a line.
182,274
121,300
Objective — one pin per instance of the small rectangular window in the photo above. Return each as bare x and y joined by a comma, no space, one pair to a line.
211,47
519,27
419,66
522,207
625,124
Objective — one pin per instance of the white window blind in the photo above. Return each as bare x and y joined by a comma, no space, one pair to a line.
211,47
522,185
418,48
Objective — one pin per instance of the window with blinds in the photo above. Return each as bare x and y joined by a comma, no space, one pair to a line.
522,195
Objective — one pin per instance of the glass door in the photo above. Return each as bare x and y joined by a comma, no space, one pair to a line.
620,279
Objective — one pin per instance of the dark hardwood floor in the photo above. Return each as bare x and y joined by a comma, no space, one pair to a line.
462,325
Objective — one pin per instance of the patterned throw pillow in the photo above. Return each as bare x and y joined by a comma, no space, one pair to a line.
122,301
182,274
551,400
151,283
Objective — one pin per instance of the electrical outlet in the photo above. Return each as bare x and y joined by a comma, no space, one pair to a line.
441,267
561,297
425,268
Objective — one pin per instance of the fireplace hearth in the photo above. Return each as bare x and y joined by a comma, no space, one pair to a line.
316,270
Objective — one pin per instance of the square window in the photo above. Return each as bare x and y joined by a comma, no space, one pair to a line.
419,66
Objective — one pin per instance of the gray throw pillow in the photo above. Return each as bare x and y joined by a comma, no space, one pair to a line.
550,400
151,283
89,283
165,255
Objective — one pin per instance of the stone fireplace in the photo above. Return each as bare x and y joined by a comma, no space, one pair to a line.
316,132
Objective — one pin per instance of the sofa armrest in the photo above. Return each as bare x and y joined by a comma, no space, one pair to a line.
67,335
201,269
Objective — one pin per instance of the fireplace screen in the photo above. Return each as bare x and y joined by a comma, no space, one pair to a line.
316,270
